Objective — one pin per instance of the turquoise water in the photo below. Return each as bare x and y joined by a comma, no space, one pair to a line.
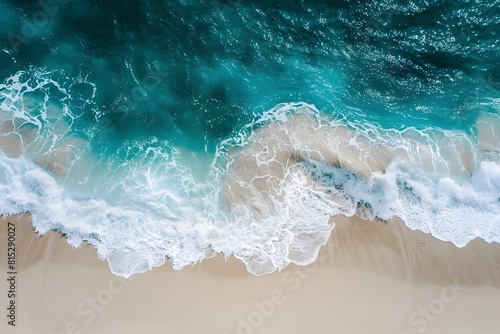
144,128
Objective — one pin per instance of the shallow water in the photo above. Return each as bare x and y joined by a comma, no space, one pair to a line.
174,130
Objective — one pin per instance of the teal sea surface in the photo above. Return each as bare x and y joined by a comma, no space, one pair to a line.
175,130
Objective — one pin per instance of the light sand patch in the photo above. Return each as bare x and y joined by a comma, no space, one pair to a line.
19,138
488,132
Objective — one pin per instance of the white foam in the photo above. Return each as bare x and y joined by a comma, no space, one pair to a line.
304,168
270,193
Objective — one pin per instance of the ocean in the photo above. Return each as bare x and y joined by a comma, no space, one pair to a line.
178,130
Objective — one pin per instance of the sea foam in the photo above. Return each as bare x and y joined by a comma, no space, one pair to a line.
271,189
302,167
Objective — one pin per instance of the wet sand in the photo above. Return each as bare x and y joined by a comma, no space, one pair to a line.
371,277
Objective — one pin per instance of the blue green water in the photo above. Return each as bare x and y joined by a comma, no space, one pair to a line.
159,94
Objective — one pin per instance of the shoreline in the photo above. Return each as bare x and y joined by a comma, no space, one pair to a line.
371,277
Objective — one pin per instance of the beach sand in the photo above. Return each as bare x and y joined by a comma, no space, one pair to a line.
371,277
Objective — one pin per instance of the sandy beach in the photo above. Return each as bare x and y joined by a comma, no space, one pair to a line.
207,153
371,277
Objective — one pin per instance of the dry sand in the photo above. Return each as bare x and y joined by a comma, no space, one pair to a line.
370,278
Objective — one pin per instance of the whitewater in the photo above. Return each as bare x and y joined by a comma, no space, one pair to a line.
269,193
173,133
